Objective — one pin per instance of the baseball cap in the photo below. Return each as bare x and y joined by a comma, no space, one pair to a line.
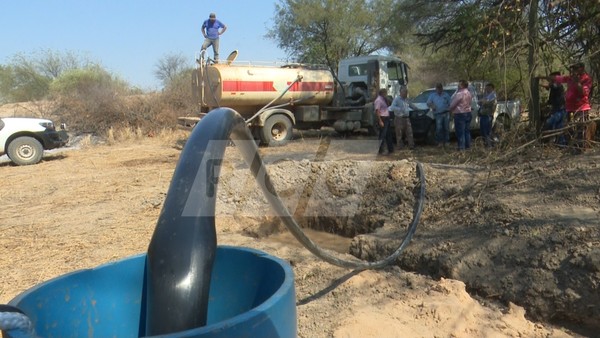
212,15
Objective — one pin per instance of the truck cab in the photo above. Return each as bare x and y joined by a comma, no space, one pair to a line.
367,74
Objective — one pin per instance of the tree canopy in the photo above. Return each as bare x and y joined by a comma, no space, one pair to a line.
508,42
325,31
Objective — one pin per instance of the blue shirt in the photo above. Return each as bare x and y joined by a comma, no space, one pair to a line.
400,107
488,104
440,101
212,28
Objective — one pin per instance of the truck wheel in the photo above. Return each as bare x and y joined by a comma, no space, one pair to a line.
501,125
277,130
25,150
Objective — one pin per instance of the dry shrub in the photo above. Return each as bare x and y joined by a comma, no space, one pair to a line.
125,117
85,141
92,101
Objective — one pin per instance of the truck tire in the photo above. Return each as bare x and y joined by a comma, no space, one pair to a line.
277,130
25,150
501,125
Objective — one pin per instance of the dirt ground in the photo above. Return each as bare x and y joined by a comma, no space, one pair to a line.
506,246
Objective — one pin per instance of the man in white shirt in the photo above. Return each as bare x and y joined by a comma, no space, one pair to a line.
401,108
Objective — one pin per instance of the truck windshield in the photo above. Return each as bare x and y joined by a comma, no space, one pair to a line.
396,71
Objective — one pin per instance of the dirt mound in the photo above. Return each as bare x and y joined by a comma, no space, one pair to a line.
495,248
525,233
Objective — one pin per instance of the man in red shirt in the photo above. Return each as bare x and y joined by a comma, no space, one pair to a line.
577,97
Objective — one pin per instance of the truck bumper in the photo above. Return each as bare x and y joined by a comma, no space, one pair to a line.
53,139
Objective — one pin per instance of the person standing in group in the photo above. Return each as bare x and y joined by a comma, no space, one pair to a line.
211,30
384,122
556,101
401,108
486,113
439,102
577,97
461,109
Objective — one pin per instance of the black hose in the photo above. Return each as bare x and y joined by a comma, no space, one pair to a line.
182,249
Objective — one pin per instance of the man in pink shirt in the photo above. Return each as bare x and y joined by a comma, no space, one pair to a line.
383,120
461,109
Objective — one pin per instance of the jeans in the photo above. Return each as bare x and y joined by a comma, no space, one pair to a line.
215,45
442,128
460,128
468,130
485,126
557,121
385,135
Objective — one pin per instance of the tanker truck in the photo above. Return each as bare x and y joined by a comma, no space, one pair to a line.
275,99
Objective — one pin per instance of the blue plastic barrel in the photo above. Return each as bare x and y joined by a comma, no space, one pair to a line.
251,295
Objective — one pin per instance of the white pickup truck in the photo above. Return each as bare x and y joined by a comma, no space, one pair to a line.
24,140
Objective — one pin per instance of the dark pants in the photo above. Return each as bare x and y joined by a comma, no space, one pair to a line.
557,121
468,130
461,128
485,126
385,135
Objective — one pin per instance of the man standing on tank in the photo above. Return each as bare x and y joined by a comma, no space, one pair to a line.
212,29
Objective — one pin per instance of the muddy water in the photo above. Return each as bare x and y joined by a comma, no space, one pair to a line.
323,239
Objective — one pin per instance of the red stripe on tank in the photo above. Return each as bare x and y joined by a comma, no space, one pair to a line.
312,87
248,86
267,86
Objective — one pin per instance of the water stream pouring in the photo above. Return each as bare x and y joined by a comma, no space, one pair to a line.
186,285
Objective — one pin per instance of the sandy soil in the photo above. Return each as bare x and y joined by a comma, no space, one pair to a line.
510,250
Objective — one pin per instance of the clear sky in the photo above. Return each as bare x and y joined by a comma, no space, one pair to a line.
128,37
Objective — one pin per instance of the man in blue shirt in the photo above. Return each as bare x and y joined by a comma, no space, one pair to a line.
439,103
486,113
212,29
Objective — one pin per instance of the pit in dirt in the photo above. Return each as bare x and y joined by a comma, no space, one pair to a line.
477,226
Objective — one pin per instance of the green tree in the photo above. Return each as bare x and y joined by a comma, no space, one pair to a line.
28,77
325,31
512,36
21,82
